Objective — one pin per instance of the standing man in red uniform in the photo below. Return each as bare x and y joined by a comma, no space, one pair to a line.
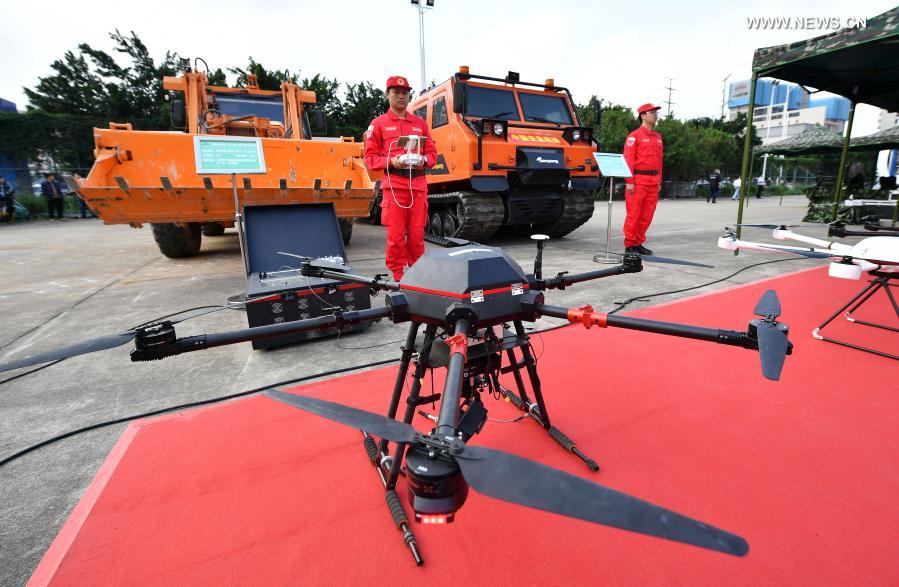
404,188
643,153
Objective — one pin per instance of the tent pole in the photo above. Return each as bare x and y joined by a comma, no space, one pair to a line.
747,155
841,172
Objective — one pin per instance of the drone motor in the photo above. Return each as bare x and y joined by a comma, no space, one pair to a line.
436,486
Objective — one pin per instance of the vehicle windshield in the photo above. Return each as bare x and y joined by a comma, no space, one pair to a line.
263,107
541,108
489,103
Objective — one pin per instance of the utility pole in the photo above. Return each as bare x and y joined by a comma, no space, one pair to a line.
724,94
670,89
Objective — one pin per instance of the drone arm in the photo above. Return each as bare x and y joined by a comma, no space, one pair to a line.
780,234
588,318
372,282
167,346
447,419
631,264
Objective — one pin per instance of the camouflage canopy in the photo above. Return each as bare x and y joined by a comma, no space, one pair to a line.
817,139
863,58
885,139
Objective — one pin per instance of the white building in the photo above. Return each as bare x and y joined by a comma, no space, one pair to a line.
783,110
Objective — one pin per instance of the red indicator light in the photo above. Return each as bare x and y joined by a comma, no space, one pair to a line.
434,518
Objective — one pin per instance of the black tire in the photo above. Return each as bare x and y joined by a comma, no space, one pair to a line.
450,226
436,224
346,229
213,229
178,241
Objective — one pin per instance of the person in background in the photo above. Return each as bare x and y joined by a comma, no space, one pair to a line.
737,183
714,187
760,182
52,192
643,150
404,189
7,201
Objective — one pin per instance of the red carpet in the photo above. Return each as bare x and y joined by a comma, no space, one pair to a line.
254,492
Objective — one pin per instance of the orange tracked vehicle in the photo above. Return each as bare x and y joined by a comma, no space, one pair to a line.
150,177
510,153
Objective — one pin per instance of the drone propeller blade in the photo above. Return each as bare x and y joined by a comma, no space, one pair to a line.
372,423
511,478
773,347
769,305
73,350
801,252
654,259
778,226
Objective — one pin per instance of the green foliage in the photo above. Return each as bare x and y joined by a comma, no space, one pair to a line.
265,79
364,103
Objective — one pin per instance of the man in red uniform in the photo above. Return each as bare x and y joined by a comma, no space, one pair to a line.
404,188
643,153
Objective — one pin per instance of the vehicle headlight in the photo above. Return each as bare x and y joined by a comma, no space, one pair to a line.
498,128
576,135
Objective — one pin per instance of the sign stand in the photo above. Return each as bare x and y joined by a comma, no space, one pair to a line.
241,229
611,165
221,155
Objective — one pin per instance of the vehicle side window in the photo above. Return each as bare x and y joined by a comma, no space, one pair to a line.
438,113
422,112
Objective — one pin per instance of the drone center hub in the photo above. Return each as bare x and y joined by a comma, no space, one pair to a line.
436,486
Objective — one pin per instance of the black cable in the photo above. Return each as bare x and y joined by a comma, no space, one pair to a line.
59,437
628,301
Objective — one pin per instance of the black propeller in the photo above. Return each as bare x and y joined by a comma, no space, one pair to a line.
801,252
518,480
778,226
101,343
667,260
772,336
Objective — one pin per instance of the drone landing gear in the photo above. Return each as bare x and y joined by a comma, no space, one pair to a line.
388,467
537,410
880,281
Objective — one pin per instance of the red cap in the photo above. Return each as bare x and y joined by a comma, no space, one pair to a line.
398,81
647,108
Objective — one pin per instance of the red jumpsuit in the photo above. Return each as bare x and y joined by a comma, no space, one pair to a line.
643,153
404,202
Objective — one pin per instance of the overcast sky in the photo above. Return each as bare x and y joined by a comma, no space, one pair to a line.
622,52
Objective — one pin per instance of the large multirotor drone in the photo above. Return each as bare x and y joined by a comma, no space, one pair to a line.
874,256
473,301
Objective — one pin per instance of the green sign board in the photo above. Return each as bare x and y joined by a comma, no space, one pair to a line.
226,155
612,165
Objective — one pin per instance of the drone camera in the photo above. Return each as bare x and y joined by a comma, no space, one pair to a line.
436,486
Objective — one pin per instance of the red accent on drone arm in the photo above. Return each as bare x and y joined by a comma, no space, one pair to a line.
588,318
458,343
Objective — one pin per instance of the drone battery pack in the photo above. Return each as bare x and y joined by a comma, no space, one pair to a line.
276,292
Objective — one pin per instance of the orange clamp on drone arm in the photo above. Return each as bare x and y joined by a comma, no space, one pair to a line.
586,316
458,343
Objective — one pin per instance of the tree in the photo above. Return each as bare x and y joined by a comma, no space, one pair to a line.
364,103
265,79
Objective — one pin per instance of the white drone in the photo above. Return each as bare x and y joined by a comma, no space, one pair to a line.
878,254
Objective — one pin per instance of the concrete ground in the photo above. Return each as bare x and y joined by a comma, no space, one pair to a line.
68,280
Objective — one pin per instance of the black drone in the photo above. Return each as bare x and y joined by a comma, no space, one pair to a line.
473,301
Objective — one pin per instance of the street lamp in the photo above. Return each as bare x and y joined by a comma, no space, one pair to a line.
422,6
